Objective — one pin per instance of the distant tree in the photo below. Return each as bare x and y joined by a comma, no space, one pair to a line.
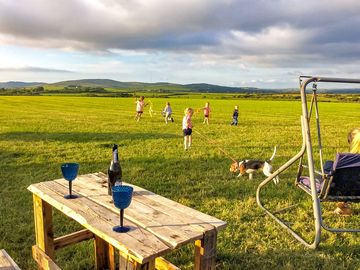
39,89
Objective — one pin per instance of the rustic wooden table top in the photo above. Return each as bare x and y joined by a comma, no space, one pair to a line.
159,224
6,262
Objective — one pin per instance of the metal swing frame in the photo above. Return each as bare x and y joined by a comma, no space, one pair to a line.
307,147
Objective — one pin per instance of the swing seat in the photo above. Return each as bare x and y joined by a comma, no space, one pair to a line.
341,182
338,181
304,181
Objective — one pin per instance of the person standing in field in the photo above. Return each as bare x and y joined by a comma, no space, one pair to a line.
167,113
187,127
235,116
140,104
206,113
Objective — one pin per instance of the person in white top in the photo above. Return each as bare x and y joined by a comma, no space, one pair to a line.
167,113
140,104
187,127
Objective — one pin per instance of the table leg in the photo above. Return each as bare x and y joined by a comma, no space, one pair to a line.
127,263
43,226
104,255
205,251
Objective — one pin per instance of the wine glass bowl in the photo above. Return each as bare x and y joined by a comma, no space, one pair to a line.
70,171
122,196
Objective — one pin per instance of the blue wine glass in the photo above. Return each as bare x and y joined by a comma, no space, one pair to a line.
122,196
70,171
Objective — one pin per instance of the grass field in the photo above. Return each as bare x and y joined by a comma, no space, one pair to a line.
37,134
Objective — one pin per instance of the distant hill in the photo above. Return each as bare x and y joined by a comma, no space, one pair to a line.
160,87
165,86
15,84
204,87
105,83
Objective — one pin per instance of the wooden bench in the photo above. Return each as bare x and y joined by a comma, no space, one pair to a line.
6,262
159,226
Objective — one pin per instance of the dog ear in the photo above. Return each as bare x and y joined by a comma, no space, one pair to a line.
233,167
242,167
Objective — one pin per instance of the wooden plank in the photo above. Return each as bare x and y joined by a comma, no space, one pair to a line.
101,253
144,215
72,238
43,226
126,262
6,262
162,264
205,252
219,224
111,258
138,243
173,227
87,212
136,237
104,254
44,261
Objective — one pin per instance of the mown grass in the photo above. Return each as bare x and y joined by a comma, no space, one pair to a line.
37,134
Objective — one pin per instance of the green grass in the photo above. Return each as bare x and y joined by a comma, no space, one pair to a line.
37,134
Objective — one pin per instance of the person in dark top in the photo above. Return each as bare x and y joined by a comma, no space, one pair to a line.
235,116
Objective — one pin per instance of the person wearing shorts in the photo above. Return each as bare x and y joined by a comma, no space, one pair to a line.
140,104
206,113
187,127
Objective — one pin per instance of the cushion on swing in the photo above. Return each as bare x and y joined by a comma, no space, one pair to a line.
346,160
305,181
346,176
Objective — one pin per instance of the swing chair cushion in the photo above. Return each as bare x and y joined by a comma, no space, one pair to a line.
346,160
344,179
305,181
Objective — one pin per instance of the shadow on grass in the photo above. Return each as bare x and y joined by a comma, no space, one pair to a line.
295,258
83,137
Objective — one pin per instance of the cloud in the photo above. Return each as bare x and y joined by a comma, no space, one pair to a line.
34,69
300,35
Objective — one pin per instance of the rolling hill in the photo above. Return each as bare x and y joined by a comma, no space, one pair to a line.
16,84
113,85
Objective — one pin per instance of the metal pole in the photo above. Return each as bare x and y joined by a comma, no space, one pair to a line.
309,151
318,133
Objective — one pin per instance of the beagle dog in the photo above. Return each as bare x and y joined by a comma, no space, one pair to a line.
251,166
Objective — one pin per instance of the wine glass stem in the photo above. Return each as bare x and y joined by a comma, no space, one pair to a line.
70,188
121,218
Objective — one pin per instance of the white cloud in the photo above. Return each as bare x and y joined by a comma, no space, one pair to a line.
204,36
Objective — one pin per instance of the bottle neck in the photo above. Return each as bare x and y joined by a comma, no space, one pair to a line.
115,156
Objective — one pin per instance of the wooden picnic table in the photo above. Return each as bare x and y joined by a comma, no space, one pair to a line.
159,225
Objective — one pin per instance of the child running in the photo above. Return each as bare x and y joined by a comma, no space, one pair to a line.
187,127
235,116
140,104
206,113
167,113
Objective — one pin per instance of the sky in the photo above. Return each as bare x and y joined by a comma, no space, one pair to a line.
247,43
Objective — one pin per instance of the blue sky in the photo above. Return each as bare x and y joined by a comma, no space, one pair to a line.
255,43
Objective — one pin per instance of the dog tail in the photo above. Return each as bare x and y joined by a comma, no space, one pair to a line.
273,155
